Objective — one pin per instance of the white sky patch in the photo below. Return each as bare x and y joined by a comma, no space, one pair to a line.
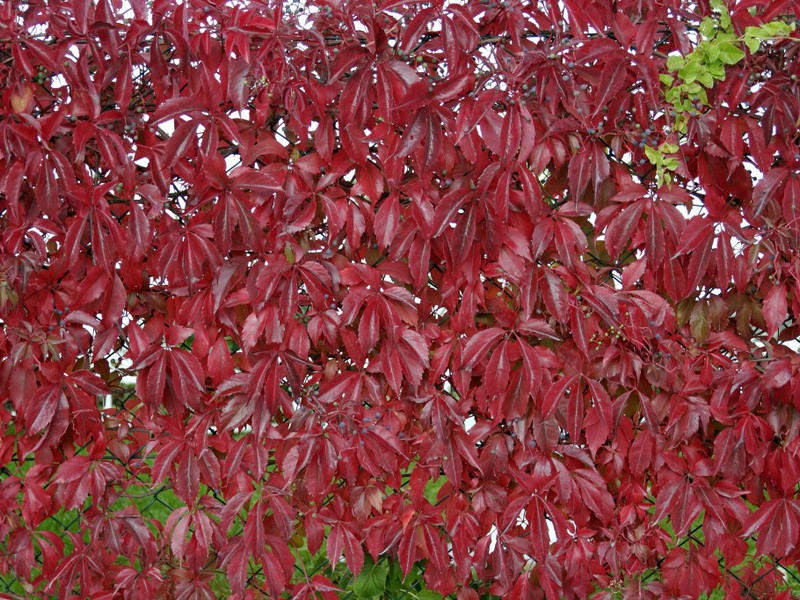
232,161
243,114
167,127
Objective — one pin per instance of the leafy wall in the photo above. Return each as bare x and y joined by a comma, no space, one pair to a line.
300,299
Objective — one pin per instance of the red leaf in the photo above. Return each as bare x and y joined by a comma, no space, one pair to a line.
414,356
73,469
599,420
262,180
497,371
447,210
387,221
612,80
478,345
641,452
555,393
418,130
42,408
36,504
768,188
775,309
187,373
156,381
691,573
296,459
511,134
415,28
677,498
407,551
178,526
539,328
353,554
618,232
392,368
580,173
234,562
173,108
187,478
698,265
696,233
777,523
13,187
555,297
180,141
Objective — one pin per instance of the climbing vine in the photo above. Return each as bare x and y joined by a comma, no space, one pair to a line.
718,48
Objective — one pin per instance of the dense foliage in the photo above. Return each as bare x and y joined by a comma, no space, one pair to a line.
498,294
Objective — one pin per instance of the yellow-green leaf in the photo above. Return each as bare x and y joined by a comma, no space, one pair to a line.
730,54
675,62
653,155
699,323
751,42
706,79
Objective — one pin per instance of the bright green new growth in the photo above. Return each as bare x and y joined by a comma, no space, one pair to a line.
685,89
663,163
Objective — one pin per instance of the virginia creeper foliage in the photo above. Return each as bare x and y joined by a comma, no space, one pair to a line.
485,289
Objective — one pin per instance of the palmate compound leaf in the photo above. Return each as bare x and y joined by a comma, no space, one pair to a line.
777,524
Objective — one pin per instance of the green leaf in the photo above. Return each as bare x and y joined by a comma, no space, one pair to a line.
673,95
666,79
726,36
428,595
668,148
717,71
730,54
690,71
394,582
751,42
693,88
675,62
706,79
371,581
653,155
775,29
707,27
